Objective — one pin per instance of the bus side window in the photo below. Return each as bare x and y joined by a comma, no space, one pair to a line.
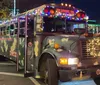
0,31
4,30
11,29
16,28
99,29
30,28
22,28
8,29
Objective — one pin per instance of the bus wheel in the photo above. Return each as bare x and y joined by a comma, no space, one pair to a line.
97,81
51,72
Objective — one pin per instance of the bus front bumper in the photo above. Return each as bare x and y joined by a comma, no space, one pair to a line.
79,74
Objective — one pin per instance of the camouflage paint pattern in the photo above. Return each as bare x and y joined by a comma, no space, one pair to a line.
9,48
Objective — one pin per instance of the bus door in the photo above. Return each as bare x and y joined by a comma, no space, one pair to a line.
29,49
33,25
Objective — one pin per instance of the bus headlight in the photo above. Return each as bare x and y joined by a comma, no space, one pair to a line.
68,61
73,61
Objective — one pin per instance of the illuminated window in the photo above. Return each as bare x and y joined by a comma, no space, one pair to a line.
79,26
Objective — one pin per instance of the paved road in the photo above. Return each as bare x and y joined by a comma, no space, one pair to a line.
14,80
8,76
7,67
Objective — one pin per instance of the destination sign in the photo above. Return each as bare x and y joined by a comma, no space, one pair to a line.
70,12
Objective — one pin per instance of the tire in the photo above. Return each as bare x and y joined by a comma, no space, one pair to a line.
52,72
49,72
97,80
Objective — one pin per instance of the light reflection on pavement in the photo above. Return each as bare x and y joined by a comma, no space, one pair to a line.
84,82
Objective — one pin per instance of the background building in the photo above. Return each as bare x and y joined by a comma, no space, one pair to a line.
93,26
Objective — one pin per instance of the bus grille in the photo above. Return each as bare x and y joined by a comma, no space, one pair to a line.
84,49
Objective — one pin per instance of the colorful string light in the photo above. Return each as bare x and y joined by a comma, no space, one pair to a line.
55,10
93,47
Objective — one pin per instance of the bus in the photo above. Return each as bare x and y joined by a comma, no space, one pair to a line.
50,42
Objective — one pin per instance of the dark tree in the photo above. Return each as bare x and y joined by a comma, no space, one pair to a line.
5,8
6,4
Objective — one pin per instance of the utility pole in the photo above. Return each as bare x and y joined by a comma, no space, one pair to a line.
14,7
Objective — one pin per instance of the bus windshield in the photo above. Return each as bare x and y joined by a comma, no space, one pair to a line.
61,25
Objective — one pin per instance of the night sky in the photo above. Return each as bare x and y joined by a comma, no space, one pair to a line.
92,7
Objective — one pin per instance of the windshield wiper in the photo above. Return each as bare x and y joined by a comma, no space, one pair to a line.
73,43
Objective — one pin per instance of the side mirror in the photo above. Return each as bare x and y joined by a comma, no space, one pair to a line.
79,31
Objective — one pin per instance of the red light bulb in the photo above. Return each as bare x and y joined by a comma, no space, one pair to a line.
83,15
46,10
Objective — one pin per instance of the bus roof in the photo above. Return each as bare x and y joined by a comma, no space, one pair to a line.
55,9
62,10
